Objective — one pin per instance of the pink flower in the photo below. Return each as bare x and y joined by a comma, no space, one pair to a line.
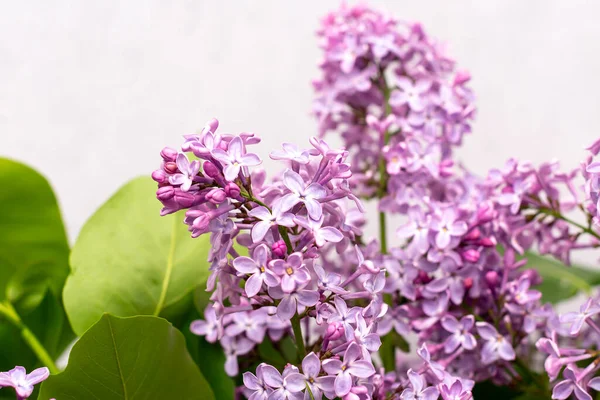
258,270
22,382
345,370
308,195
496,346
188,172
269,219
235,158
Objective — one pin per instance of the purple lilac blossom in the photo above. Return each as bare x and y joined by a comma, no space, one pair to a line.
21,381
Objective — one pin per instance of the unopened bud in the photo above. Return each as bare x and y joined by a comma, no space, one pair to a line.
168,154
492,278
210,169
471,255
170,167
216,196
159,176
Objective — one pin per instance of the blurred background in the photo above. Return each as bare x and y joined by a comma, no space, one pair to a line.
91,91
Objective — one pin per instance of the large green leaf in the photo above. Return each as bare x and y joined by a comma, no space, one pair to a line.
128,260
33,265
137,358
33,245
562,282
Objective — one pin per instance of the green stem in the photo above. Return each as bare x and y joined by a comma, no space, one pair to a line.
284,234
383,177
558,215
7,310
301,351
382,233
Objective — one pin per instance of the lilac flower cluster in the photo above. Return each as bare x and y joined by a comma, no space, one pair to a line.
395,98
456,278
304,276
457,259
22,382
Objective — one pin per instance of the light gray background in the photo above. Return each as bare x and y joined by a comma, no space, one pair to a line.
90,91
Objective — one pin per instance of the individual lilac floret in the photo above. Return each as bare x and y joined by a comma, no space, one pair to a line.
286,386
347,369
447,227
269,219
188,171
570,385
209,327
496,346
235,158
577,319
419,389
455,391
21,381
311,368
291,152
256,384
300,193
258,270
461,333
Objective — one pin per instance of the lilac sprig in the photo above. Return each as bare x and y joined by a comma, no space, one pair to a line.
571,346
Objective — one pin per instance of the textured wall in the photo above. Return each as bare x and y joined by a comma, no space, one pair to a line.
90,91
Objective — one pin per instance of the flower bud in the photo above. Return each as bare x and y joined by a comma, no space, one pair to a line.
487,242
170,167
210,169
462,77
216,196
184,199
168,154
445,168
211,126
279,249
492,278
471,255
468,283
485,214
160,176
165,193
201,223
473,234
335,330
232,190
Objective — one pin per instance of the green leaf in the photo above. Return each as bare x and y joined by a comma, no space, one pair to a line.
561,281
387,351
48,322
214,371
33,245
34,256
128,260
140,357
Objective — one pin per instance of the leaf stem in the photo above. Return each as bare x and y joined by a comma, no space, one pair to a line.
7,310
301,351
